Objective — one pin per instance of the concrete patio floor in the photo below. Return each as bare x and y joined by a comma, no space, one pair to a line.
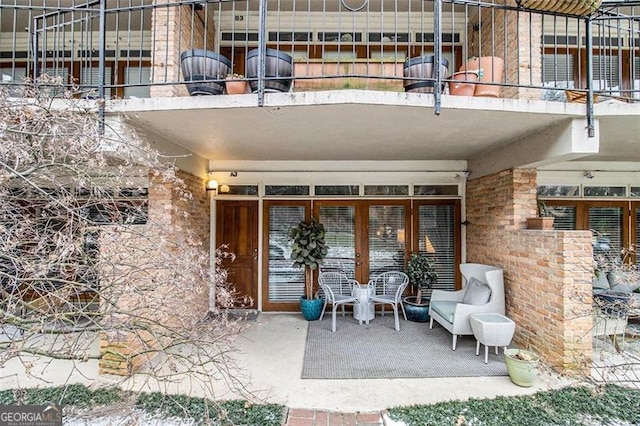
270,352
272,349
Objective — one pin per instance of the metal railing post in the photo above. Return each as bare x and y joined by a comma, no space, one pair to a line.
437,89
35,41
589,45
262,50
101,63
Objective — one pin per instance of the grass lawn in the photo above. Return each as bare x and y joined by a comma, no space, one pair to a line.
76,399
607,405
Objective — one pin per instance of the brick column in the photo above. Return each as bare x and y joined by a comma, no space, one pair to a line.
547,273
139,283
515,37
174,30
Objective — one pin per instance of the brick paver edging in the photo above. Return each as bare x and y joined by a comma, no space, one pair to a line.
303,417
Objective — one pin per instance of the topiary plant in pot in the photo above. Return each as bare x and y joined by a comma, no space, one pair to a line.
422,274
308,251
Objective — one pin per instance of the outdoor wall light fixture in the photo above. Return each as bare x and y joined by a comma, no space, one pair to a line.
588,174
212,185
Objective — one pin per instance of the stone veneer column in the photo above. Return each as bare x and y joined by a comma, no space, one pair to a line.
175,29
547,273
173,218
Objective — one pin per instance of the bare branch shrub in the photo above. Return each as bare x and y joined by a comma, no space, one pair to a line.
616,309
84,256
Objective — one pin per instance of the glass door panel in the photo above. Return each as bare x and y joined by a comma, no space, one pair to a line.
286,283
340,224
436,237
387,238
606,223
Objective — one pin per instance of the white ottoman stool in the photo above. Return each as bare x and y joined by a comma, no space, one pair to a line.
491,330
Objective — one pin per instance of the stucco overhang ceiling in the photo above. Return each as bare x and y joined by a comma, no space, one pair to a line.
364,125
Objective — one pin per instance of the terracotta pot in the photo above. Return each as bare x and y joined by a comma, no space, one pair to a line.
463,86
236,87
545,223
489,69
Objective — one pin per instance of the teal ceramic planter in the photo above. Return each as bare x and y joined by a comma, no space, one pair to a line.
416,312
311,309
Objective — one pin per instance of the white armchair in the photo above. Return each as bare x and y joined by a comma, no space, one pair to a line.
451,309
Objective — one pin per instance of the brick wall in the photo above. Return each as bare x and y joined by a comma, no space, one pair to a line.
176,29
516,38
547,273
142,281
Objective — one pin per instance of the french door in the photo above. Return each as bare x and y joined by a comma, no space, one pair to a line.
365,238
615,224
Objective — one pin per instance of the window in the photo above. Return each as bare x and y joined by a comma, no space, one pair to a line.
436,238
137,75
286,190
337,190
238,190
285,282
435,190
559,191
89,80
606,73
605,191
386,190
557,72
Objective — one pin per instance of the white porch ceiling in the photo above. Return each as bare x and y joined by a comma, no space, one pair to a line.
364,125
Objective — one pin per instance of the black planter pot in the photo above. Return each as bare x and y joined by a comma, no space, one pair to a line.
311,308
199,65
416,312
278,70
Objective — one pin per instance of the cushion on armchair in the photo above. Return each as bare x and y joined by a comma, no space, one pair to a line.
477,293
445,308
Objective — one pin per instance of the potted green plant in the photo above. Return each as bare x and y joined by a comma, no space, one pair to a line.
308,251
421,270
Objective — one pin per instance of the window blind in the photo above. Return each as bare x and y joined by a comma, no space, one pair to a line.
606,224
557,67
90,76
606,72
340,226
436,239
137,75
564,217
286,282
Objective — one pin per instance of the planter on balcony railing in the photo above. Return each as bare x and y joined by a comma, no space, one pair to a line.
278,70
199,65
463,83
421,67
568,7
489,70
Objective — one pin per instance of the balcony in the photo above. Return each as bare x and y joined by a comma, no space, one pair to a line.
349,61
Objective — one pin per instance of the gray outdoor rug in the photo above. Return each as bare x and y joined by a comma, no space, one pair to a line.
378,351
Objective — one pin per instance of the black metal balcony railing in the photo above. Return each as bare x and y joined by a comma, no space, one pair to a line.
131,48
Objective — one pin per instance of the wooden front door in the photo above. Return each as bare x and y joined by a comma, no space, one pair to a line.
237,226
